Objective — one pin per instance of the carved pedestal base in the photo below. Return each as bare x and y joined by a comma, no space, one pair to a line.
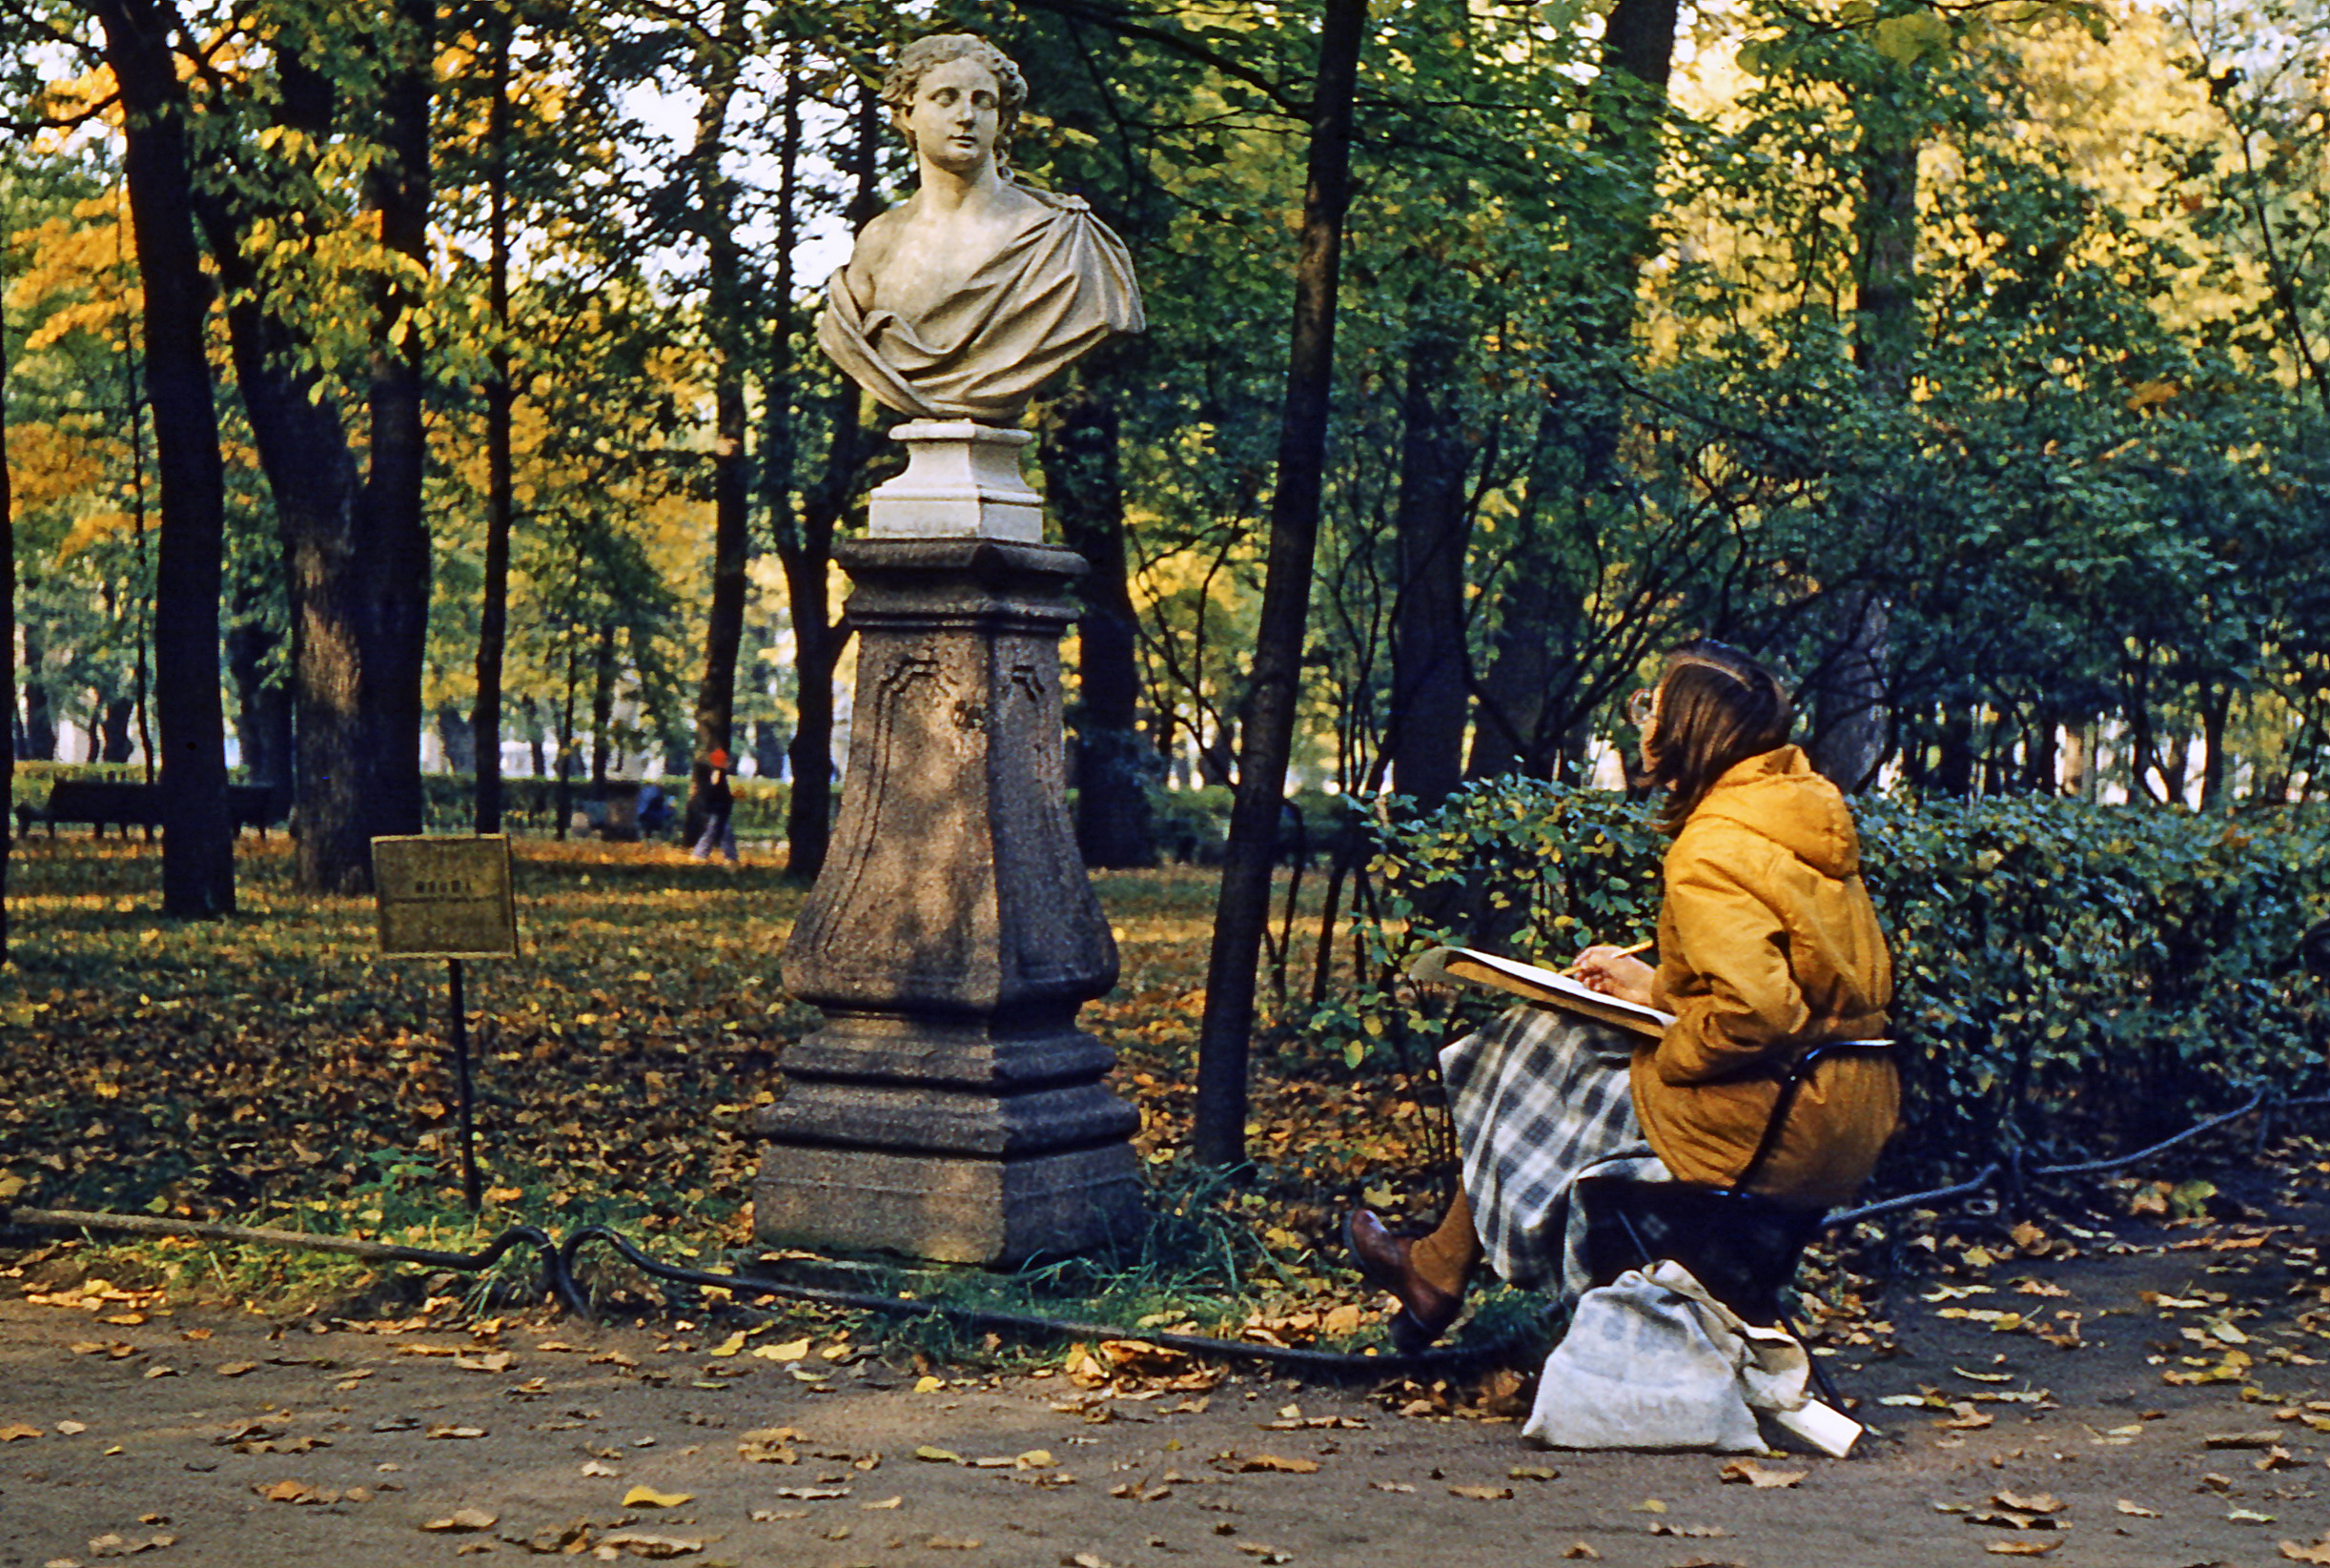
950,1109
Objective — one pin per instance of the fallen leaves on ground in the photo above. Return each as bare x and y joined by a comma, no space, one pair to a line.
110,1545
1275,1462
648,1496
647,1543
2266,1438
1759,1478
770,1445
1477,1494
2037,1502
462,1521
299,1492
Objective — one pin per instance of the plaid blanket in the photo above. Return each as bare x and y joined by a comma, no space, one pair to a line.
1539,1099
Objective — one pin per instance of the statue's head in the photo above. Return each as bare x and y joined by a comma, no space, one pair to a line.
904,81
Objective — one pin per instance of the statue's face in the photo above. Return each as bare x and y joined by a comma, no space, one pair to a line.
956,115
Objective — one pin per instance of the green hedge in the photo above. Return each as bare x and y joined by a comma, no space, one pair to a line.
29,785
2071,976
529,805
1193,825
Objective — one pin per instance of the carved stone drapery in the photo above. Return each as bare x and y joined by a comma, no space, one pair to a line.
950,1107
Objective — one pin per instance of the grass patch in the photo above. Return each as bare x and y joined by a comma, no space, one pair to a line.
271,1069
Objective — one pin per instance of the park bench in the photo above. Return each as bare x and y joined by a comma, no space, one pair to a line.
126,804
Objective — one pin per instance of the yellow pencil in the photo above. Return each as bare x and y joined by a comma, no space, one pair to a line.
1644,945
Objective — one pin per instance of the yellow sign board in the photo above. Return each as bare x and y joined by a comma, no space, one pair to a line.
444,897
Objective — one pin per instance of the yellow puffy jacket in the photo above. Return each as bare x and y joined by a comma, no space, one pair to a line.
1769,944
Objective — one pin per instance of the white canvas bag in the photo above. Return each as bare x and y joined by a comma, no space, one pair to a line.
1652,1361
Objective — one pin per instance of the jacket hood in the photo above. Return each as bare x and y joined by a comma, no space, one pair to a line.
1779,796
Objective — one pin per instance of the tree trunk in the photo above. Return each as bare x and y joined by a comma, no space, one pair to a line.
1276,683
806,551
1516,726
1429,667
357,547
1849,712
39,712
563,795
312,476
2175,757
1518,712
1852,733
8,631
113,720
1953,768
2043,751
262,698
500,495
719,59
2215,712
457,741
601,709
2078,762
388,598
2141,752
1114,764
198,833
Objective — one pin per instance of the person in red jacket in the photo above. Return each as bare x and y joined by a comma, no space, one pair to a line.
719,801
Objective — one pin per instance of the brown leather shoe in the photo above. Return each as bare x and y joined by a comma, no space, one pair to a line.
1383,1262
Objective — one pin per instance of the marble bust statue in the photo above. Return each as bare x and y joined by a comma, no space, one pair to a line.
962,300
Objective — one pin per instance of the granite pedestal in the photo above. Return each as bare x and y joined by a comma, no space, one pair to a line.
950,1107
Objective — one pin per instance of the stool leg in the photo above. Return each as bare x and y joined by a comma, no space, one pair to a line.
1820,1374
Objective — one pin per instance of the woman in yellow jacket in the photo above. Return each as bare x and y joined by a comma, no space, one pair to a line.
1768,945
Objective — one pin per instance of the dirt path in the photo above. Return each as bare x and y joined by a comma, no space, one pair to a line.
246,1443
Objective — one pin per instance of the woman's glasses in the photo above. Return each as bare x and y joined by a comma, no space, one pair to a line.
1642,707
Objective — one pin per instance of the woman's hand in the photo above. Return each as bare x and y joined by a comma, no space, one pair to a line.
1616,972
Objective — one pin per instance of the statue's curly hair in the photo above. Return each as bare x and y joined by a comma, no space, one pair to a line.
924,55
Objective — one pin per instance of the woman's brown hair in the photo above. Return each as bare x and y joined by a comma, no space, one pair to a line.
1717,707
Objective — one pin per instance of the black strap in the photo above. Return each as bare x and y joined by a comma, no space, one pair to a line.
1794,1080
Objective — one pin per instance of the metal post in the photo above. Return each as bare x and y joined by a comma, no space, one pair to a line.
461,1068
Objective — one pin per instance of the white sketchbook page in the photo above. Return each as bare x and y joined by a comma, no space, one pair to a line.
1433,964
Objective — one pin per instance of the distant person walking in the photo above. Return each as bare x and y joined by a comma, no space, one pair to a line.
719,800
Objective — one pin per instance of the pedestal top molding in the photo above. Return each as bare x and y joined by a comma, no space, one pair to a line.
962,480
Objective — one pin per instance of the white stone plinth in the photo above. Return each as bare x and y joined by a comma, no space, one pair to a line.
961,481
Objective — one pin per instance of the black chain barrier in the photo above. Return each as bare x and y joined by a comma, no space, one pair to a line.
559,1282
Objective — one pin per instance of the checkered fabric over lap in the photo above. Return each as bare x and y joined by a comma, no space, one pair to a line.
1541,1098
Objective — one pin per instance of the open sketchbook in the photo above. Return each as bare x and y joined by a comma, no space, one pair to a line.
1533,983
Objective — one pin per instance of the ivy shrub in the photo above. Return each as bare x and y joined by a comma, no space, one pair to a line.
2070,978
